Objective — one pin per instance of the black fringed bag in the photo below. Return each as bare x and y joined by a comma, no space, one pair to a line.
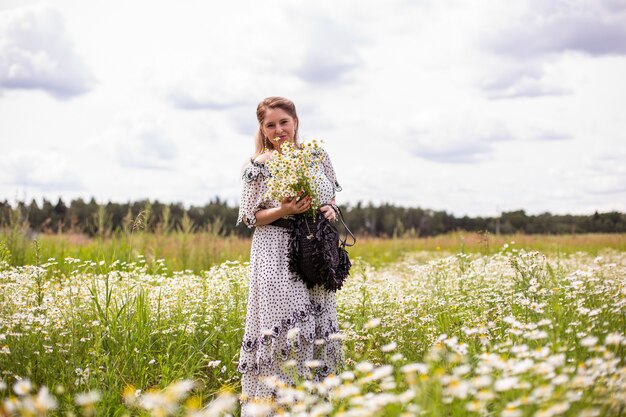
316,254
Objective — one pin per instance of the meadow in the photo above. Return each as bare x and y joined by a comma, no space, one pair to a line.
184,249
459,325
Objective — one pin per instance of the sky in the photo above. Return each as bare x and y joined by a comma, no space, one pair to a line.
472,107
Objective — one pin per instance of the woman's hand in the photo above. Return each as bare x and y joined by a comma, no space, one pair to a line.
296,205
329,213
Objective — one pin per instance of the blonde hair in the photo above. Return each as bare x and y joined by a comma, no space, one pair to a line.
272,103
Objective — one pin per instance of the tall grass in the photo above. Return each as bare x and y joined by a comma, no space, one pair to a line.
380,251
169,248
187,248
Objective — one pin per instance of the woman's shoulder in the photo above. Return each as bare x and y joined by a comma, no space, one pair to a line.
321,153
318,150
255,169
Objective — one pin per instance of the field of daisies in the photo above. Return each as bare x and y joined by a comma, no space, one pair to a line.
514,333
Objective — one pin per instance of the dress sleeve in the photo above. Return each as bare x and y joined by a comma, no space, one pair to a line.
330,172
251,199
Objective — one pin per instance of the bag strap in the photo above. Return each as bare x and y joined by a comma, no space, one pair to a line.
348,232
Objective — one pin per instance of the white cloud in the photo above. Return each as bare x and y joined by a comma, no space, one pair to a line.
559,26
527,79
530,43
140,141
37,53
453,138
225,80
331,53
212,86
606,185
606,175
42,170
243,120
550,135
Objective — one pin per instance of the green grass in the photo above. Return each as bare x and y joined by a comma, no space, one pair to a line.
199,251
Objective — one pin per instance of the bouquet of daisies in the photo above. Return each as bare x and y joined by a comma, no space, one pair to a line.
294,170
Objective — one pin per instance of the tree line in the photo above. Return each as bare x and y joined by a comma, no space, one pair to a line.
385,220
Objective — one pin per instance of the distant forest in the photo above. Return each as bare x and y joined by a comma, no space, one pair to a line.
218,217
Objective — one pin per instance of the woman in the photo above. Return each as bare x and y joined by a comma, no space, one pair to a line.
289,328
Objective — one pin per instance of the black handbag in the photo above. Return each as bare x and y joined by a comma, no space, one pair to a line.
316,255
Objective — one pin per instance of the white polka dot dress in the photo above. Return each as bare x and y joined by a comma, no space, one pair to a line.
285,321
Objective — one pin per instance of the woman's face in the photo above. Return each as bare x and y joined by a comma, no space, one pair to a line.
278,127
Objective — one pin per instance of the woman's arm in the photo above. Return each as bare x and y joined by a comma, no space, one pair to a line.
287,206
